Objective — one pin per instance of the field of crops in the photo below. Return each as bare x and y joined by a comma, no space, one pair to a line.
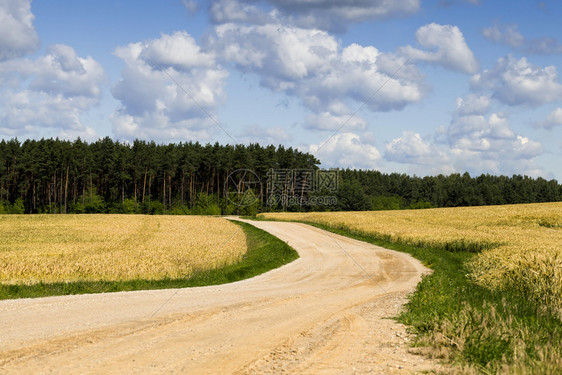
519,246
55,248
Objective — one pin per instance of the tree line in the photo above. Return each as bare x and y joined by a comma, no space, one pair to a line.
380,191
107,176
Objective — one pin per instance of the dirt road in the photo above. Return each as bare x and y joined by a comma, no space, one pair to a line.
324,313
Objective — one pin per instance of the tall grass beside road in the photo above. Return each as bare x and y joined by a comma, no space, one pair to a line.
494,301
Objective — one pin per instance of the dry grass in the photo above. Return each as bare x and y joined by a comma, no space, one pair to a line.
521,245
47,248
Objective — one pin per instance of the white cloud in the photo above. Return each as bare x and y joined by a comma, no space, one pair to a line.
483,144
544,46
445,45
517,82
328,121
552,120
411,148
191,6
179,51
49,94
236,11
152,105
329,14
61,71
475,141
508,34
286,53
45,96
33,114
478,133
504,34
157,126
265,136
315,14
473,105
17,35
312,66
346,150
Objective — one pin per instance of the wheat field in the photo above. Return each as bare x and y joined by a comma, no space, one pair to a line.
67,248
519,246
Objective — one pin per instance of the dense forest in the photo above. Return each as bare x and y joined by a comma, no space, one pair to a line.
106,176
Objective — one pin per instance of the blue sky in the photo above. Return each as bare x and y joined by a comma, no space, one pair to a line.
420,87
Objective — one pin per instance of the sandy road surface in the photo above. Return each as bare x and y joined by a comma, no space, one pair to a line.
322,314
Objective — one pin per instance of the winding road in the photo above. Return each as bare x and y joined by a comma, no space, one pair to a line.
325,313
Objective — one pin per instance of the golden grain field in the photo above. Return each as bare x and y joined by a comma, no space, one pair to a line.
53,248
521,245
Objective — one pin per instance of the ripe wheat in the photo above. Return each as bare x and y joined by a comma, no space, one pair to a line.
66,248
519,246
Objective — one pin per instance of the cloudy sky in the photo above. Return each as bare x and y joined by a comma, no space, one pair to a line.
420,87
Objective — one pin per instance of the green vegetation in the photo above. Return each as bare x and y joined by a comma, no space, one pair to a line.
16,208
400,191
265,252
106,176
475,328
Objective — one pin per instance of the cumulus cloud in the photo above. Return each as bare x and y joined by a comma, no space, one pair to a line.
152,104
517,82
544,46
265,136
552,120
178,51
45,96
283,52
328,121
316,14
31,113
59,71
329,14
17,35
346,150
476,141
191,6
236,11
487,144
444,45
473,105
507,34
478,133
411,148
312,66
62,72
49,94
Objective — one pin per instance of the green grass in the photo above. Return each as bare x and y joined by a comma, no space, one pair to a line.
265,252
476,329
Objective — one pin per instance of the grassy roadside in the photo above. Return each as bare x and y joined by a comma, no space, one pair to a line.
472,327
265,252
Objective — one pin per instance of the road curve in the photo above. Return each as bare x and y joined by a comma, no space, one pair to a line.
321,314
